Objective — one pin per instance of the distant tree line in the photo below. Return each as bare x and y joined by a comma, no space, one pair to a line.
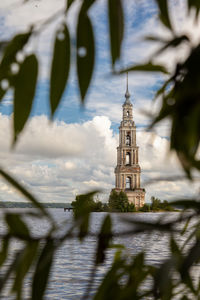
13,204
118,202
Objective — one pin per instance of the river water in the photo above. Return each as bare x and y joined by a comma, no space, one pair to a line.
74,260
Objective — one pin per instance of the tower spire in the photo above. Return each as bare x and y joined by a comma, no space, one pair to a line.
127,94
126,81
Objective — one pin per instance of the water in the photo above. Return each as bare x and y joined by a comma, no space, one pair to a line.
74,260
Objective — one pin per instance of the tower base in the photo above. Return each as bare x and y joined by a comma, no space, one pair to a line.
136,196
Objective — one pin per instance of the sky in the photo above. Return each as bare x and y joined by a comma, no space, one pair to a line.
76,152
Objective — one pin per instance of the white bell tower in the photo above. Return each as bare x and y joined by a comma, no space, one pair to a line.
127,171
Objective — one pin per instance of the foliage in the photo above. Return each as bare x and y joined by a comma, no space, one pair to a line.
157,204
118,202
145,208
88,203
180,95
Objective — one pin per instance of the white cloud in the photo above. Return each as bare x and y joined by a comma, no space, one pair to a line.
44,160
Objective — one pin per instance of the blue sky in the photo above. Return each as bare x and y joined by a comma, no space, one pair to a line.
77,152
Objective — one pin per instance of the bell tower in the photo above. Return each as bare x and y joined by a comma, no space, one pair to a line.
127,171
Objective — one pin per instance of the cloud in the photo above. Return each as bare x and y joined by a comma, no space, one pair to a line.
57,161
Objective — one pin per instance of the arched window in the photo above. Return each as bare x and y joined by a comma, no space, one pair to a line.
128,140
128,183
127,113
128,158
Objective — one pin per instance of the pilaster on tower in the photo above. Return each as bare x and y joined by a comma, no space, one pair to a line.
127,171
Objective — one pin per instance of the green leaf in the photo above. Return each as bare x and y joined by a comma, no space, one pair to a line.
174,247
86,5
17,226
4,250
104,239
82,208
148,67
2,93
162,90
163,281
28,195
11,268
14,46
24,263
60,67
154,38
42,271
116,25
194,4
163,13
25,85
110,287
192,257
69,3
186,226
85,53
187,204
175,42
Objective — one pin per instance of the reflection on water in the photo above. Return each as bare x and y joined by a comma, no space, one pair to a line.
74,260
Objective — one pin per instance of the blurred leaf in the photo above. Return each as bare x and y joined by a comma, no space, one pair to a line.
2,93
110,287
60,67
85,52
24,263
176,41
116,246
176,253
194,4
3,45
154,38
25,85
14,46
182,105
148,67
82,208
4,250
42,271
136,273
69,3
187,204
86,5
163,13
12,266
104,239
192,257
161,91
186,226
174,247
163,281
16,226
116,25
29,196
9,56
